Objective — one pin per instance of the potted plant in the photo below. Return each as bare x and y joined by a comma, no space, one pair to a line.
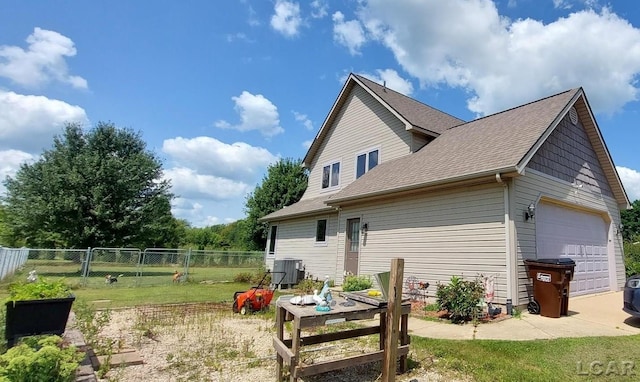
35,307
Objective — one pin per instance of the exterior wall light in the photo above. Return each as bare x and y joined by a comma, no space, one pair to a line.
365,227
530,212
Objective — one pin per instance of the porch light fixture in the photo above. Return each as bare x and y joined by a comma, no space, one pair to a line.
619,228
365,227
530,212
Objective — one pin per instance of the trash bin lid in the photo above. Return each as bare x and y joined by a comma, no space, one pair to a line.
559,261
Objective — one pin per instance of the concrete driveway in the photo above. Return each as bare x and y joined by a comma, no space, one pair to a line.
589,316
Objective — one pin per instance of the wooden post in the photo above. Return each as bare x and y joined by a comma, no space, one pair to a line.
394,310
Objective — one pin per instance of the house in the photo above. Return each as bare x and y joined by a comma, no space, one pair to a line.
392,177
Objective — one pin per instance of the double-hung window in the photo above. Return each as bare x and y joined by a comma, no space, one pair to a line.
366,161
331,175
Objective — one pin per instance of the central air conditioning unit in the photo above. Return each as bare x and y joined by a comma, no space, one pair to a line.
294,272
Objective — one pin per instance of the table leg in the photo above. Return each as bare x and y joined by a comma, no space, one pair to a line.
404,340
280,314
295,348
383,329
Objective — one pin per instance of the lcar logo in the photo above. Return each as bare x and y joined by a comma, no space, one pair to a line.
607,368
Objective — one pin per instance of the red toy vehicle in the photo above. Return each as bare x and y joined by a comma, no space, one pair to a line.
257,298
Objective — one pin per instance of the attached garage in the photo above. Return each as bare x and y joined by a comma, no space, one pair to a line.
562,232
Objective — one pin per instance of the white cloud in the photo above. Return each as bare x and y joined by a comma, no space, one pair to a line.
256,113
392,79
631,182
29,122
239,161
195,213
503,63
306,122
319,9
189,184
307,144
286,19
43,61
563,4
10,161
348,33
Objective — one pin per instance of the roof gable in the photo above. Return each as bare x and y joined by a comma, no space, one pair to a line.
500,143
493,144
414,114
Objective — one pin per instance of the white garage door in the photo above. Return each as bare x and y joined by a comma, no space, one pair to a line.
563,232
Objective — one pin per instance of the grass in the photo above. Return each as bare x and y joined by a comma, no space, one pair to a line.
148,275
564,359
217,288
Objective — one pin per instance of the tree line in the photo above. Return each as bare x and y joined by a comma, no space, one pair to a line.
103,188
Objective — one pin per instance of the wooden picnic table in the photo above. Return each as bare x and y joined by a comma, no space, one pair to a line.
288,350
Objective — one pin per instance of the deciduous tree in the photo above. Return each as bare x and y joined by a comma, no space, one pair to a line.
283,185
631,221
100,187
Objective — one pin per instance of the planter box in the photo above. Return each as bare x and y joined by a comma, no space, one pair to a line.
34,317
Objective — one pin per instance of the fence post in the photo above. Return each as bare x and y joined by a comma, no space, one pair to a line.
85,266
187,264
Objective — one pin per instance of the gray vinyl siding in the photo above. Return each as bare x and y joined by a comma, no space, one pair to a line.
362,124
568,155
296,239
439,235
535,185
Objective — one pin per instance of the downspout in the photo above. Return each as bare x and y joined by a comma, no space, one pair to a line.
510,261
338,272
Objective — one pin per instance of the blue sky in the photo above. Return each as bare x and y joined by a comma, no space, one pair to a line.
222,89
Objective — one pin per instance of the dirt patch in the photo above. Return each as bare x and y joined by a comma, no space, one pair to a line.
205,342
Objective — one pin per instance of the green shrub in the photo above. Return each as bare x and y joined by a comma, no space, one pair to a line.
40,359
460,298
41,289
355,283
631,258
307,286
258,275
243,277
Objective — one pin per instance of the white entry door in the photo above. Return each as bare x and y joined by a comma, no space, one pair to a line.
564,232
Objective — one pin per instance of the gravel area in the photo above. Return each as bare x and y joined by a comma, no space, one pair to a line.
209,343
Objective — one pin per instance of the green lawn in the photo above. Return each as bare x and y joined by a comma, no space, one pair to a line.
129,275
565,359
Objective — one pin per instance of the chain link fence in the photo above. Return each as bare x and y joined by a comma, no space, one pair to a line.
132,267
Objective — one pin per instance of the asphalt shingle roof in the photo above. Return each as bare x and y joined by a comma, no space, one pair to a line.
416,112
494,143
303,207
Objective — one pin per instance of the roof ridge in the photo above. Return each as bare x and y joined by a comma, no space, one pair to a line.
516,107
361,77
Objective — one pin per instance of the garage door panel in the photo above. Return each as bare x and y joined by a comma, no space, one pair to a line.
565,233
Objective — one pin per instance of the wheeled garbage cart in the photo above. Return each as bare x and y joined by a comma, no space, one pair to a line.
551,278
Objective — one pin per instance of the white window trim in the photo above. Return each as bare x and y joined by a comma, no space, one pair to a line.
330,164
367,151
326,234
275,245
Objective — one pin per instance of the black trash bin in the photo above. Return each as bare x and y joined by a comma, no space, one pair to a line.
551,278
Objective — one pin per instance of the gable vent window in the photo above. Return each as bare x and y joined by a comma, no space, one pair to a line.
365,162
573,115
